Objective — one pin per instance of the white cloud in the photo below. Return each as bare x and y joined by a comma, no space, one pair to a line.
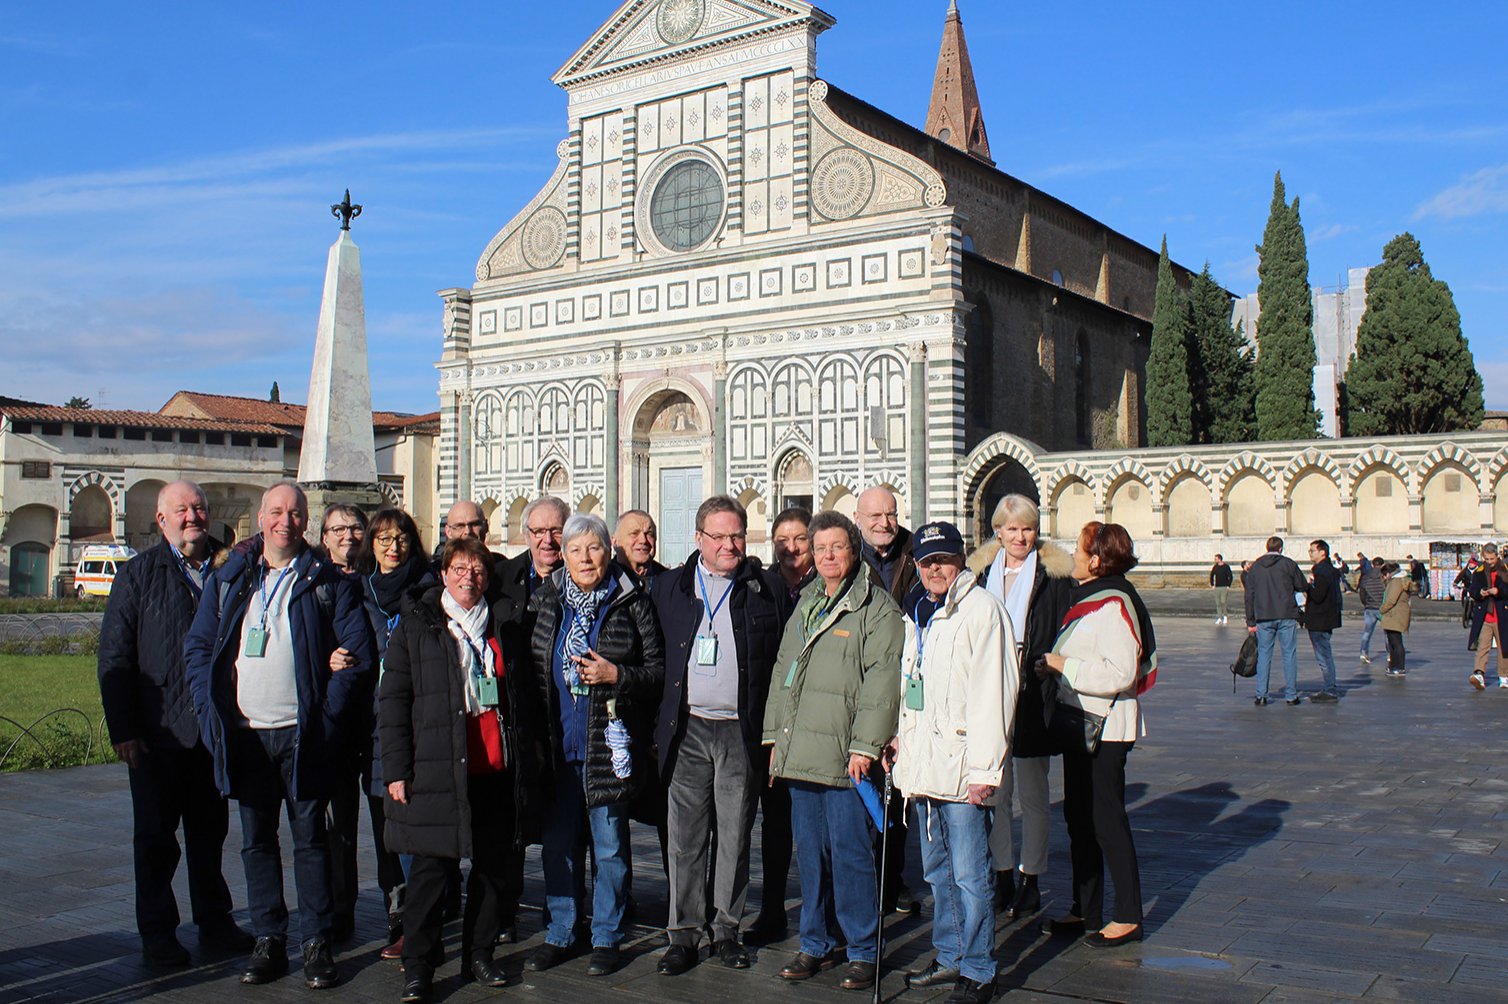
1331,232
1478,194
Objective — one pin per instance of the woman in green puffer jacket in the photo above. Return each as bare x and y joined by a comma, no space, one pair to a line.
834,702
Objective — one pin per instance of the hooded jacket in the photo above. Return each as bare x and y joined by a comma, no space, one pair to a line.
838,691
628,635
325,612
1046,607
1270,584
1396,611
1322,612
967,676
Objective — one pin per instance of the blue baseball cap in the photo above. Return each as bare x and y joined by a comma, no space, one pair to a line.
934,539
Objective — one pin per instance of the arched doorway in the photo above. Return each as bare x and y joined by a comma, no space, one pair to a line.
30,534
1008,478
141,513
672,448
795,482
90,517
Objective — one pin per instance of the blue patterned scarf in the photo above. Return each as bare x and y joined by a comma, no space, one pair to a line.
583,606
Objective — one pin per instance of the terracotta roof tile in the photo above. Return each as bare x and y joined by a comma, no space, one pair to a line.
250,409
136,419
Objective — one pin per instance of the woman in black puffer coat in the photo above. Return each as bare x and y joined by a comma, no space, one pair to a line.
599,659
454,719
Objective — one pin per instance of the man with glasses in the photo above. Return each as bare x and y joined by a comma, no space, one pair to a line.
513,582
722,615
887,552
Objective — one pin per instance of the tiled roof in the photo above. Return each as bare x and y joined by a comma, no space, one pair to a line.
135,419
250,409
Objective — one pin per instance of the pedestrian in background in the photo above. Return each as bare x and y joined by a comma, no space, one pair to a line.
1396,612
1322,616
1220,582
1489,594
1369,587
1273,588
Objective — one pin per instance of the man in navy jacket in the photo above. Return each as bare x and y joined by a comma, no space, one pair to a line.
257,660
722,616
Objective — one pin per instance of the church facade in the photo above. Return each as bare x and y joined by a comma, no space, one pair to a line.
740,278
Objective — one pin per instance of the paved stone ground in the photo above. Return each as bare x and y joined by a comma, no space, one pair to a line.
1316,853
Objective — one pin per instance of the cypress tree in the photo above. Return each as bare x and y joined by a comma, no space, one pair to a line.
274,395
1412,371
1221,368
1170,405
1285,332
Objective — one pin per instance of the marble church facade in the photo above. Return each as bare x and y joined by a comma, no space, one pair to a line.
740,278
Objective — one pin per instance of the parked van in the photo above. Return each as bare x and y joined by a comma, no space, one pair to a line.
97,568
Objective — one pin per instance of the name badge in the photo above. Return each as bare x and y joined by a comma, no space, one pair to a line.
915,693
256,643
706,650
486,687
790,676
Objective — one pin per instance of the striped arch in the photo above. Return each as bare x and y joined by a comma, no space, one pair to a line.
1380,456
1181,465
838,479
1242,463
1071,470
578,495
391,493
1496,467
105,482
747,483
1449,453
985,457
1124,469
1312,458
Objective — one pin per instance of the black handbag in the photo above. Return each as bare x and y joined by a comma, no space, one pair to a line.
1071,729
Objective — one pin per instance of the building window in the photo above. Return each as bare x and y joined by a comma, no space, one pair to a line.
21,428
52,428
188,437
83,430
687,205
36,469
214,439
162,435
267,441
239,439
135,433
107,432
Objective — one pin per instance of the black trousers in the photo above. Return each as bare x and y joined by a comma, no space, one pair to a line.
170,787
342,815
774,849
1099,832
487,886
1396,658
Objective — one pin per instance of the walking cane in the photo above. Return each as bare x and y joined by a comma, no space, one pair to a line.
879,954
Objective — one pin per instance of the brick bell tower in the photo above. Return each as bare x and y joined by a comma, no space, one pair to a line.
954,115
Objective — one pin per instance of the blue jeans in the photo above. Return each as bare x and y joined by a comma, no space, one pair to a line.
264,783
1369,619
956,862
1320,642
1286,634
564,859
835,841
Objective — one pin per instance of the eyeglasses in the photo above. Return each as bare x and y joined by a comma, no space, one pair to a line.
466,572
391,540
353,530
725,538
475,524
540,532
933,560
833,549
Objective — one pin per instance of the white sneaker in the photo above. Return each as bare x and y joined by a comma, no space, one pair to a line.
1502,683
1365,658
1479,681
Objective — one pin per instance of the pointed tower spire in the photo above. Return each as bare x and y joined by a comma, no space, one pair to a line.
954,115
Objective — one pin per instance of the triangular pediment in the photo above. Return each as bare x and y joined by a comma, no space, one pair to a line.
643,32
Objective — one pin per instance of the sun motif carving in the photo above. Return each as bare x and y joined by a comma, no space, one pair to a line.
678,20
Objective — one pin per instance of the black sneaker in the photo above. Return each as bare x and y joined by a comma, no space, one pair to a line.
1324,697
269,960
1260,702
319,965
1294,702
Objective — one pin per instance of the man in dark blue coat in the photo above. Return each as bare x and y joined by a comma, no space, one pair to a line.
1322,616
152,726
722,616
258,664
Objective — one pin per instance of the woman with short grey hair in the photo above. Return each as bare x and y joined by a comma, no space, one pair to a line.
582,523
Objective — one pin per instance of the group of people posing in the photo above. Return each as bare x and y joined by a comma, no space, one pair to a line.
482,704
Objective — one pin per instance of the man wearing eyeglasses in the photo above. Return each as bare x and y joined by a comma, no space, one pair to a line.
887,552
722,615
513,582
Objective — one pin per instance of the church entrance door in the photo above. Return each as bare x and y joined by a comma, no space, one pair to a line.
680,495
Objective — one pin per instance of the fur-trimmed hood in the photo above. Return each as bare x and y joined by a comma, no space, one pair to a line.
1057,562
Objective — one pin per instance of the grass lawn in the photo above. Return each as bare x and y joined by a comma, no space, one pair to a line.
32,685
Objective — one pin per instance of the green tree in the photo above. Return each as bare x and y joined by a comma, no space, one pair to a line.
1170,404
82,403
274,396
1220,368
1412,371
1285,330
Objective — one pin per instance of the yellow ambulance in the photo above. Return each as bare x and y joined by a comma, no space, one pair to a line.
97,568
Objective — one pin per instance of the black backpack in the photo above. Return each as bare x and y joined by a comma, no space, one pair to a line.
1245,665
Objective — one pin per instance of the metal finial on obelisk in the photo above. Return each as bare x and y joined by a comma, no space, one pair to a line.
345,212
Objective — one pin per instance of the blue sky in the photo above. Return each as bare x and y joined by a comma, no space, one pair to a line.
166,168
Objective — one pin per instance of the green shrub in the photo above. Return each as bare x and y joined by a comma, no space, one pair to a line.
62,741
41,605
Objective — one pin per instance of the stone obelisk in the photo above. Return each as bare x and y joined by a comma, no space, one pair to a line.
338,460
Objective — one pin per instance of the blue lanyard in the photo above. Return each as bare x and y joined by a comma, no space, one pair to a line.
392,619
922,632
262,588
183,566
479,670
712,614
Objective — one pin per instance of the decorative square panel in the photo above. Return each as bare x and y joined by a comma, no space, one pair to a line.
803,278
912,264
839,274
738,286
539,315
706,292
591,307
513,318
488,322
565,311
873,268
676,294
649,299
769,282
617,305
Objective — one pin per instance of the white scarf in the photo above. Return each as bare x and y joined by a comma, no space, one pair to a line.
469,629
1021,589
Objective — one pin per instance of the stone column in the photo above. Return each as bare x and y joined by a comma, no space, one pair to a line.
919,400
720,428
463,446
612,463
